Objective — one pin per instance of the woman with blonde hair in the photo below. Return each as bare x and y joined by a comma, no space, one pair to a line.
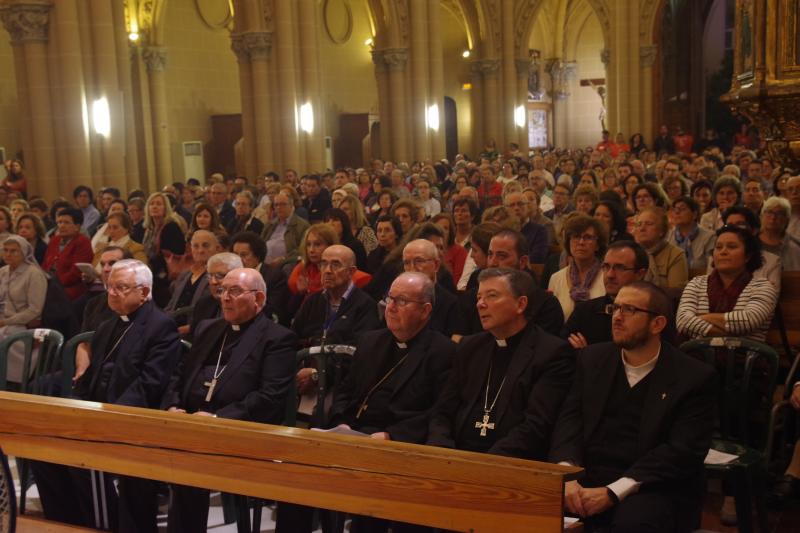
164,244
359,223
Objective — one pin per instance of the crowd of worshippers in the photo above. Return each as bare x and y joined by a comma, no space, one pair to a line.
526,306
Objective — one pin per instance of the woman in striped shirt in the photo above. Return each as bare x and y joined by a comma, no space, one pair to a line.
729,301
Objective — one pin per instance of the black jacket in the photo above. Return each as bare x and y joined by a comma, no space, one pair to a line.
677,419
538,378
256,380
357,314
544,310
143,361
418,383
277,294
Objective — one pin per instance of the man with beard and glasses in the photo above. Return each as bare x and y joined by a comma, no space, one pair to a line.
639,420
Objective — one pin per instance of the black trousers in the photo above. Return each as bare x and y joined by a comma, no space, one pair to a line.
88,498
188,510
644,512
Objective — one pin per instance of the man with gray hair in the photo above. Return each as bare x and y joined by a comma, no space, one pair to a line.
239,367
207,307
395,379
508,382
422,255
133,355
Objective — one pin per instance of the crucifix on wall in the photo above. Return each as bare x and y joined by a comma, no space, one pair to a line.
599,85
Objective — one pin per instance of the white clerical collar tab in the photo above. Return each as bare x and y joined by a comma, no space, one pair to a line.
501,343
125,318
402,345
235,327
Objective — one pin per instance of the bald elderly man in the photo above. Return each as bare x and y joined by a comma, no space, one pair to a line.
239,367
422,256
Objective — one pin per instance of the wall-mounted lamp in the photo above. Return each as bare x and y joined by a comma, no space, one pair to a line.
369,42
101,117
133,36
519,116
307,118
465,54
432,117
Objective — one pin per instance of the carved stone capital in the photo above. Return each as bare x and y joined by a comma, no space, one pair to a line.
486,67
27,21
258,44
561,75
238,48
155,58
394,58
605,56
647,55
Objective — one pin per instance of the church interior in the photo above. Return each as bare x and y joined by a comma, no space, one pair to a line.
441,187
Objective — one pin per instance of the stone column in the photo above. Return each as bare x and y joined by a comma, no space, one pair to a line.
258,46
384,109
419,99
128,127
155,58
308,28
523,66
28,24
489,70
286,72
439,148
396,60
476,108
106,84
509,99
612,122
560,75
647,58
246,90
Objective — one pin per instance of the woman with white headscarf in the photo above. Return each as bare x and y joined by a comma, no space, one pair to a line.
23,287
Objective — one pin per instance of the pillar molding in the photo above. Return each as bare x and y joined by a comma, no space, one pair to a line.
27,21
605,56
257,45
647,55
487,67
155,58
395,59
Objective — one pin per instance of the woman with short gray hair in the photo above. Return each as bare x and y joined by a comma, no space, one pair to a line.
775,214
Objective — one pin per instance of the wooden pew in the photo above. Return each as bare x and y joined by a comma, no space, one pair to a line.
787,316
420,484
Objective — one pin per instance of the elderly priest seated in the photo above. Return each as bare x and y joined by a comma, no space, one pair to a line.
639,420
395,378
240,367
133,356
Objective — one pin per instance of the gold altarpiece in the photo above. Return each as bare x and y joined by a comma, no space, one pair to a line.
766,75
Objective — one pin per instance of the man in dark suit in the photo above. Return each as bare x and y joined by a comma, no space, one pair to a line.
133,356
535,234
253,251
508,249
421,255
339,313
397,373
508,382
639,420
239,367
317,199
218,195
207,307
590,322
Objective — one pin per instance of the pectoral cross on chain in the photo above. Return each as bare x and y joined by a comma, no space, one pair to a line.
483,426
211,386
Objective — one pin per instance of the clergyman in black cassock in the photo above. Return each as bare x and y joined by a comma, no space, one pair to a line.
507,383
133,355
239,367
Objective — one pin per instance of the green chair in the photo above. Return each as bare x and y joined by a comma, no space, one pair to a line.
68,360
50,343
745,422
48,362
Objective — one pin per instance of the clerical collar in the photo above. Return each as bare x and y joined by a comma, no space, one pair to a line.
243,326
124,318
401,345
511,341
132,315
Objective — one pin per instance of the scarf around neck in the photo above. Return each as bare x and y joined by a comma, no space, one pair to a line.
579,292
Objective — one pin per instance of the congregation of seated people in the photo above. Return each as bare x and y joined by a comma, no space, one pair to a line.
525,305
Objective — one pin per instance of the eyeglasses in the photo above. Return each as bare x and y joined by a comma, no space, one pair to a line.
335,266
399,301
586,237
122,289
233,292
217,276
776,214
417,262
627,310
644,224
617,268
